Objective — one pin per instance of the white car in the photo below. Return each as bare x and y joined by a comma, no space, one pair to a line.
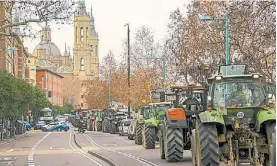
123,126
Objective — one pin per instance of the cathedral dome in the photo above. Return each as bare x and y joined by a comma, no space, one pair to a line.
50,47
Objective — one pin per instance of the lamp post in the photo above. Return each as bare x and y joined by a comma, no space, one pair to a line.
208,18
129,69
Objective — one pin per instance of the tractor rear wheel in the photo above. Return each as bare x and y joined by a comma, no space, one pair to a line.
138,132
274,148
207,147
173,144
269,133
148,136
161,142
113,128
99,125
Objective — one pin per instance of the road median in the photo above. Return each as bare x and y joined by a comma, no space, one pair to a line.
94,153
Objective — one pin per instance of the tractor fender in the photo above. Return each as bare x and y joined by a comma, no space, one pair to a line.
151,122
265,116
176,118
211,117
141,122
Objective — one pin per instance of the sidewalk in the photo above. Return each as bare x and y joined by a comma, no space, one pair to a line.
4,142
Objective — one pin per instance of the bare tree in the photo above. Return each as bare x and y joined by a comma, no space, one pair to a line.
27,12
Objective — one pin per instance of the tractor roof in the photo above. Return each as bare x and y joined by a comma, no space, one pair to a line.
236,76
160,103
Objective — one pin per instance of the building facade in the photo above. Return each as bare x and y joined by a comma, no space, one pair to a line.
83,65
51,84
13,54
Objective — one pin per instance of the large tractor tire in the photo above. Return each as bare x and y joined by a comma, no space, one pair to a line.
173,144
206,145
113,128
148,137
138,132
161,143
99,125
270,127
274,148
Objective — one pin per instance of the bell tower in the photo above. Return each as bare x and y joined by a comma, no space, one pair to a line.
86,61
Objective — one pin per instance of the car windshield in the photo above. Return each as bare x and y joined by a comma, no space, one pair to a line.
238,94
127,123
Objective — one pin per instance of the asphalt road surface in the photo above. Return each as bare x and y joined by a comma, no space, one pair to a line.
59,149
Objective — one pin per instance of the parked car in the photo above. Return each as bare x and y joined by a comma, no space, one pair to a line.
27,125
60,127
124,126
131,130
39,124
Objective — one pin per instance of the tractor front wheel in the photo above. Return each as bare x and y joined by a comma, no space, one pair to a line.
138,133
148,137
161,142
270,127
206,145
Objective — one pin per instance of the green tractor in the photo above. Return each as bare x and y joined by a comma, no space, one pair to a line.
150,128
180,120
99,120
237,125
115,119
107,114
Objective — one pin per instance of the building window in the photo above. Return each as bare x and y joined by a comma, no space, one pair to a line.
87,32
29,61
82,64
82,34
82,104
82,96
96,50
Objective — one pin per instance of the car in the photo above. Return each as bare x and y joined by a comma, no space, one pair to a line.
124,126
131,129
39,124
49,126
60,127
62,119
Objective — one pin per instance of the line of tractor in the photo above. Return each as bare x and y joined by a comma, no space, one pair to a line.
230,118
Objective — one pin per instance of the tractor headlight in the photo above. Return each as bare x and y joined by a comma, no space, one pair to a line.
256,75
218,78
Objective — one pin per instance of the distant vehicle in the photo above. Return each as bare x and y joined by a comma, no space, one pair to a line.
46,114
39,124
131,130
123,126
60,127
55,126
62,120
27,125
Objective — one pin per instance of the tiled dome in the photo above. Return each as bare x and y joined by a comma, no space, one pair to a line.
65,69
50,47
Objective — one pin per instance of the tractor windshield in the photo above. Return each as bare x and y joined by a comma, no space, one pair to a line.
243,93
160,111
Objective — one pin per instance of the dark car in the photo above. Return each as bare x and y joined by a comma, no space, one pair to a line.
39,124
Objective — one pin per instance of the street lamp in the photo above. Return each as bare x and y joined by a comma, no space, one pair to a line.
129,69
208,18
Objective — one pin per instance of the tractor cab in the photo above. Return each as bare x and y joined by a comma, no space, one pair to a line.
159,109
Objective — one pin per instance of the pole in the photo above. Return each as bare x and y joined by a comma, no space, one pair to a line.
227,40
109,84
164,70
129,70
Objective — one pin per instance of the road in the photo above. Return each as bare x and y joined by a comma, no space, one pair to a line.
59,149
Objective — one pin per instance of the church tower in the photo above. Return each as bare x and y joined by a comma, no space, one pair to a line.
86,61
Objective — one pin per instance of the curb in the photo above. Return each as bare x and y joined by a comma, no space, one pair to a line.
95,154
14,139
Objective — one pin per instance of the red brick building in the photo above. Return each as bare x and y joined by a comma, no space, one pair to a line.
51,84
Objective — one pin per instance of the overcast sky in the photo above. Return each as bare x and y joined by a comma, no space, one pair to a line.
110,17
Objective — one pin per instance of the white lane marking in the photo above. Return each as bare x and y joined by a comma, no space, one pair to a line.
32,152
109,145
82,153
141,160
128,141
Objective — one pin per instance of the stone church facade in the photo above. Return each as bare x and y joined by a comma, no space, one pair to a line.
84,64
